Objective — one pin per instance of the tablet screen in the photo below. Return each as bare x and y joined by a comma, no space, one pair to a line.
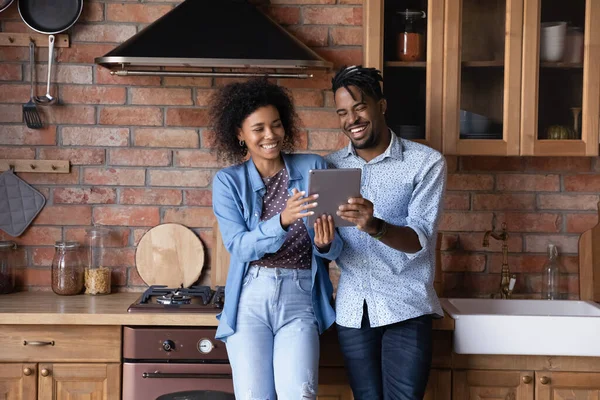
334,187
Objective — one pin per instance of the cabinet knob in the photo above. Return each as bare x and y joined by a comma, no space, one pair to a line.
527,379
45,372
27,371
544,380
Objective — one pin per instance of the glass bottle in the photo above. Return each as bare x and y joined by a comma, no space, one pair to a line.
7,267
551,275
67,269
411,41
97,274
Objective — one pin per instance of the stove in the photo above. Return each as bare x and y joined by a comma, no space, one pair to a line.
195,299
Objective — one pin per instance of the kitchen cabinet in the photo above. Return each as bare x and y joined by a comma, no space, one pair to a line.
472,384
567,385
18,382
439,386
483,87
335,392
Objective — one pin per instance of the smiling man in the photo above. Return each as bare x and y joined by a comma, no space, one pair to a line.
385,299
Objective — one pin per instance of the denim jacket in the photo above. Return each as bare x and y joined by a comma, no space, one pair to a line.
237,203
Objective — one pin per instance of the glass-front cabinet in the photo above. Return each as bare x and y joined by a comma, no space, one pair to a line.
489,77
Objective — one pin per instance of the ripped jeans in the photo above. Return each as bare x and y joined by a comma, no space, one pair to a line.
274,352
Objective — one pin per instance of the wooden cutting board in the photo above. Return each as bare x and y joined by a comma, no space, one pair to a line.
169,254
220,259
589,263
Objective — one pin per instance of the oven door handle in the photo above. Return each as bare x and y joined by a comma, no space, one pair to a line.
179,375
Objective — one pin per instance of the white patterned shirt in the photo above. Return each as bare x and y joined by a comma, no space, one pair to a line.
406,185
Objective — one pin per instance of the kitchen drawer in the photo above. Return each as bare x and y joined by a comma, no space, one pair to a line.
60,343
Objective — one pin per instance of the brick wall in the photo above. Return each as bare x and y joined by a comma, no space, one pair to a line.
141,155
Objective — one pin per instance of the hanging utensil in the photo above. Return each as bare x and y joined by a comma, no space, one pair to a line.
47,99
4,4
30,112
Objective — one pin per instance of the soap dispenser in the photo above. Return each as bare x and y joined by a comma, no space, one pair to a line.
552,275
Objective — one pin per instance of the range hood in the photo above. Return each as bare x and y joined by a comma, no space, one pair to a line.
211,34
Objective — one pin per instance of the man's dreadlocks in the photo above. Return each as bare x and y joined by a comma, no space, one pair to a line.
365,79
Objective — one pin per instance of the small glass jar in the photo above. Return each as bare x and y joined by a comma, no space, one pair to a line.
410,44
97,274
7,267
67,269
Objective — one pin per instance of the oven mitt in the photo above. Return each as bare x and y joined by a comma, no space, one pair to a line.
19,203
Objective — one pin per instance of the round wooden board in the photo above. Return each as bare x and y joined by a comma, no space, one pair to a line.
171,255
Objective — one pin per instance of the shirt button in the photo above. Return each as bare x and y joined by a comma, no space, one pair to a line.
256,214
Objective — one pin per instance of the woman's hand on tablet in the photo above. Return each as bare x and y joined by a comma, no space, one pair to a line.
324,231
296,208
359,211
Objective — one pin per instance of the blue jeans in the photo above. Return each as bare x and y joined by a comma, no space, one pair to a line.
390,362
274,352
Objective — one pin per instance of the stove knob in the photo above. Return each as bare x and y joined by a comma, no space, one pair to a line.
168,345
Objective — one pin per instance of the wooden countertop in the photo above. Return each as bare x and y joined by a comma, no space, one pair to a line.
47,308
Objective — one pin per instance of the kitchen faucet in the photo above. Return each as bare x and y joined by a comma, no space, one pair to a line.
507,282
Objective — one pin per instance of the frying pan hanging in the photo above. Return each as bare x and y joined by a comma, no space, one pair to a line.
50,16
4,4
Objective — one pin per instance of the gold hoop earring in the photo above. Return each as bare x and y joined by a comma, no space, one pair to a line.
242,143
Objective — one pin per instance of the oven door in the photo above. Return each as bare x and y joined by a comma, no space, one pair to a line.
150,381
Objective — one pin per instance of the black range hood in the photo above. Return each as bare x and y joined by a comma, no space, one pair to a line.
211,34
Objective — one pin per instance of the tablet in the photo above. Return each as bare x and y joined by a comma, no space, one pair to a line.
334,187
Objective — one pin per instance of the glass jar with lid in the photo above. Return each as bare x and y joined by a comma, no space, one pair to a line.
97,274
7,267
67,269
410,44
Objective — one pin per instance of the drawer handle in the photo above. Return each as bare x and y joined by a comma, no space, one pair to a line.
37,343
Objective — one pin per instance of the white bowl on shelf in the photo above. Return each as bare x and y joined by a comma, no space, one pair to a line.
552,41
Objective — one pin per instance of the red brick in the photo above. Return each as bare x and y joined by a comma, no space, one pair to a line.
470,182
93,94
451,163
64,215
14,54
324,140
567,202
507,201
92,12
17,152
285,15
82,53
313,36
197,217
527,182
539,243
341,56
178,138
138,233
62,73
190,81
11,113
579,223
207,240
456,201
42,256
68,114
147,116
117,237
492,163
114,176
566,164
187,117
320,81
470,284
93,195
72,178
582,183
323,119
301,141
140,157
208,139
10,13
529,263
36,277
93,136
75,156
126,216
36,236
567,284
103,77
198,178
118,277
14,93
474,242
308,98
21,135
164,96
459,262
203,97
151,196
114,257
530,222
466,221
17,27
332,15
347,36
200,197
10,72
135,279
135,12
196,159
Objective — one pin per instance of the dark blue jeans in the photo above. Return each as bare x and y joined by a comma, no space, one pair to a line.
390,362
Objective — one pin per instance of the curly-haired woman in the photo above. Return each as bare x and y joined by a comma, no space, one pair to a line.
278,292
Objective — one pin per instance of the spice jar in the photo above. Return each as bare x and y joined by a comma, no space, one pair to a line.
97,274
411,41
7,267
67,269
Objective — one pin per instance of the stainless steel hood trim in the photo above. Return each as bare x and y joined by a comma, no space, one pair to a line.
124,62
127,72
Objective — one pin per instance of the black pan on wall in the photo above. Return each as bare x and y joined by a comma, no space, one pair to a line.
50,16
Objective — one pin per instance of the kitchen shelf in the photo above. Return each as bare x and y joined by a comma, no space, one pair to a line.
563,65
42,166
406,64
482,64
23,39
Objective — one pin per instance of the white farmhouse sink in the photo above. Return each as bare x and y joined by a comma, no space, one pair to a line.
529,327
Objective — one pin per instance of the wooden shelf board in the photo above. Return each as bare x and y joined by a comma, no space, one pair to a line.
406,64
563,65
482,64
23,39
42,166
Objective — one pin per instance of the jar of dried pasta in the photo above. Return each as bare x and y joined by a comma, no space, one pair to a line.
97,274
